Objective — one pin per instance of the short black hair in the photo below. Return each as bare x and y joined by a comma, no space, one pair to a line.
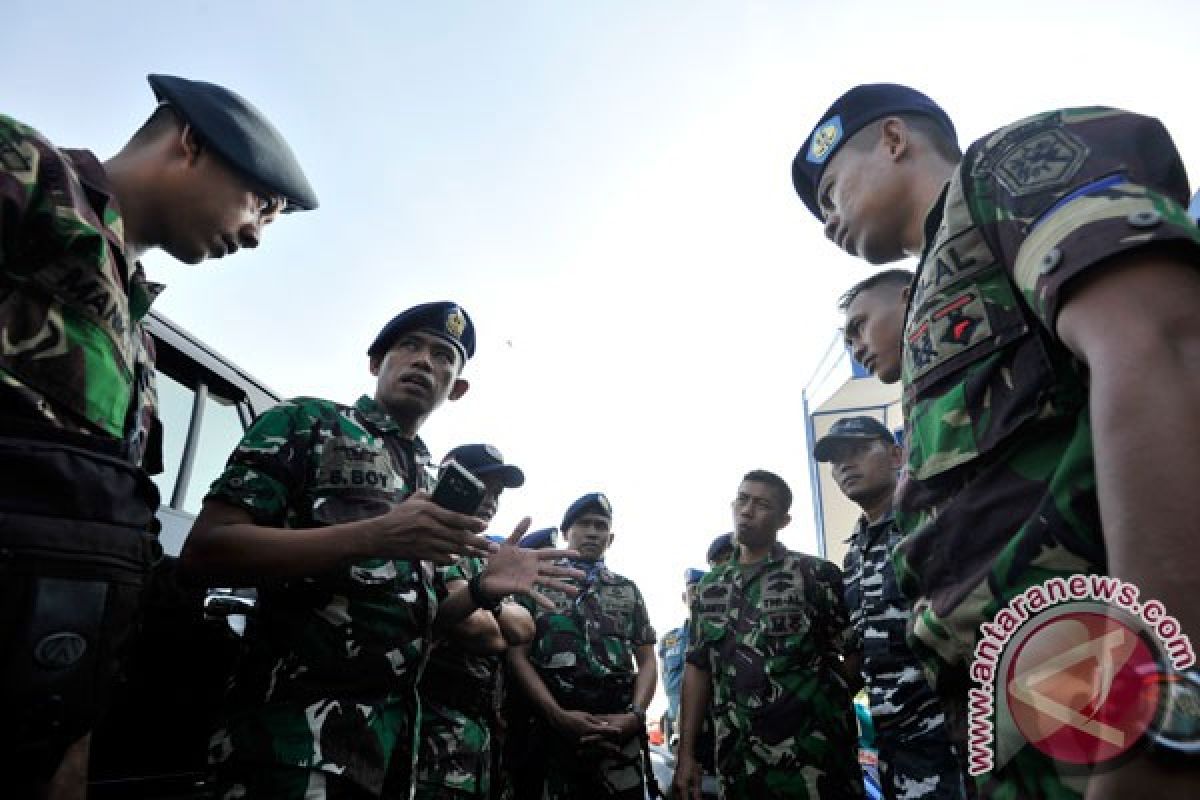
900,278
163,118
771,479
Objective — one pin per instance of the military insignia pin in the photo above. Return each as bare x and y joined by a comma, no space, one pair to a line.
824,140
456,323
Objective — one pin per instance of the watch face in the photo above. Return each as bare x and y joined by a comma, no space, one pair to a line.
1178,728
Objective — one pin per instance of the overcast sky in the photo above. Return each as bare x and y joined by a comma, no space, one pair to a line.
604,187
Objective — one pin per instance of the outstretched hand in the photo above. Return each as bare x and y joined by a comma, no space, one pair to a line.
514,570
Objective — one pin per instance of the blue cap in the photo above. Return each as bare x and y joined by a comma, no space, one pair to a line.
482,460
445,319
594,503
540,539
692,576
240,134
849,114
722,545
857,428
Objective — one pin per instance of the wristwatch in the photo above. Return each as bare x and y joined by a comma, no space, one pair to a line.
480,598
1177,734
638,712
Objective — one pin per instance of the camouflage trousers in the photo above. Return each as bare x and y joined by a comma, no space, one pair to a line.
924,767
570,776
791,783
455,756
285,783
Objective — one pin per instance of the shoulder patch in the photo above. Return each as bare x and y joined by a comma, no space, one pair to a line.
1045,160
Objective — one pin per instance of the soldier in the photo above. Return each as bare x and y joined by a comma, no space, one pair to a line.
673,647
202,177
767,636
1056,261
520,770
720,551
916,759
460,688
590,671
324,508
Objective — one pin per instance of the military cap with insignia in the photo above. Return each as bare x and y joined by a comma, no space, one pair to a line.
851,429
240,134
445,319
849,114
540,539
593,503
482,460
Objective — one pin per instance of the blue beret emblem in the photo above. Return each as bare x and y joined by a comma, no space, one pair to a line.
824,139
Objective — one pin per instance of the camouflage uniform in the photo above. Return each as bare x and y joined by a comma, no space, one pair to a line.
583,651
328,681
767,634
916,758
73,353
458,695
78,420
1000,491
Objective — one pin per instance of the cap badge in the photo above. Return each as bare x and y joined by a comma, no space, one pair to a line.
602,501
493,453
824,139
456,323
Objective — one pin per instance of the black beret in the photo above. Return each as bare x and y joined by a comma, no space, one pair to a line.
593,503
445,319
849,114
482,460
539,539
721,545
240,134
854,428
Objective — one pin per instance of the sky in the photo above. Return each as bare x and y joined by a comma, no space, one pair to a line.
604,187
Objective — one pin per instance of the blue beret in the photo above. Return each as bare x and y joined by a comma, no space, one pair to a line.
692,576
720,545
858,428
482,460
849,114
240,134
593,503
445,319
540,539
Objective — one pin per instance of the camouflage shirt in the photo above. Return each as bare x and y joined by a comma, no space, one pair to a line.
583,651
769,635
458,697
901,701
590,636
328,680
73,352
1000,487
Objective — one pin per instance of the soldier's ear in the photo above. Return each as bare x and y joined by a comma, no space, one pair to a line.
189,144
905,293
894,136
375,362
459,389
